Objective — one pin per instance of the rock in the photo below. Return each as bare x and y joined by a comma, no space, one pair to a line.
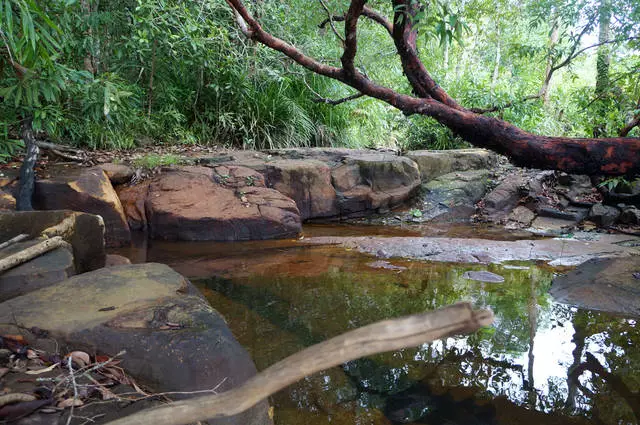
186,203
579,190
380,264
433,164
570,213
234,177
558,252
604,215
117,173
601,284
116,260
7,200
373,182
630,196
504,197
630,215
47,269
308,183
520,217
329,182
454,194
86,190
174,340
133,200
550,226
483,276
85,233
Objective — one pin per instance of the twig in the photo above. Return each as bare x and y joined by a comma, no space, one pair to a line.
333,27
13,240
379,337
75,389
333,102
30,253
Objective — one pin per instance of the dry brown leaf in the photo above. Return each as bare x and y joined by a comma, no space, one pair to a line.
12,398
70,402
80,357
44,370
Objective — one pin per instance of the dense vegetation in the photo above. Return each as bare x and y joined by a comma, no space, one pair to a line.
121,73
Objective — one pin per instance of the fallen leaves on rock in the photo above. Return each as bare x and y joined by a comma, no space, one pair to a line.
52,383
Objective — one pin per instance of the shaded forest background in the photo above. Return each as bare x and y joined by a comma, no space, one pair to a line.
122,73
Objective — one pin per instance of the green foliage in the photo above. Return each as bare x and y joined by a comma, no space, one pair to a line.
113,74
153,160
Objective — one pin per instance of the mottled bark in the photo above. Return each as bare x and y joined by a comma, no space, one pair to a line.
27,173
608,156
604,49
553,41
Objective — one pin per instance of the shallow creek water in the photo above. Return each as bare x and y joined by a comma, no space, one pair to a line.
541,362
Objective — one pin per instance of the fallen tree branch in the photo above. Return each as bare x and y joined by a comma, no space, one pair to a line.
30,253
13,240
379,337
64,152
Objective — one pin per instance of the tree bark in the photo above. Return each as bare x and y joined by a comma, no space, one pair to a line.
604,50
607,156
496,66
27,173
553,40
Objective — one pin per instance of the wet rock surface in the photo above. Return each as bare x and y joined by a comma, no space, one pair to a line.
174,340
558,252
611,285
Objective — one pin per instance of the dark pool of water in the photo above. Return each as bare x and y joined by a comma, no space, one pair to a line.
542,362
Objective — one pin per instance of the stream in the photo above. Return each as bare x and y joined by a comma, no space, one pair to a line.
541,361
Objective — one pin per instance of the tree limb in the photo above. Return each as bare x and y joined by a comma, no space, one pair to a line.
404,36
633,122
367,12
606,156
331,21
379,337
351,36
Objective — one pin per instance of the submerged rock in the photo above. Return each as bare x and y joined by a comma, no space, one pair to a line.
174,340
602,284
483,276
558,252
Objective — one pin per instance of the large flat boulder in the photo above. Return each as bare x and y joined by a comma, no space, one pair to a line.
174,340
611,285
453,196
434,163
331,182
84,232
197,203
86,190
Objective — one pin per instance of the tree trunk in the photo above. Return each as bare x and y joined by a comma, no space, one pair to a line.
496,67
89,59
604,50
151,75
27,173
553,40
445,57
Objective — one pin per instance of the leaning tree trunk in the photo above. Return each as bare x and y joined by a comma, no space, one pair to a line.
27,173
608,156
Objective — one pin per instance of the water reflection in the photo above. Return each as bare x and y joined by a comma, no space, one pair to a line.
542,362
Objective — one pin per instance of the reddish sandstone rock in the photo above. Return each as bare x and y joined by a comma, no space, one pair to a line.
188,203
308,182
133,199
377,182
86,190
